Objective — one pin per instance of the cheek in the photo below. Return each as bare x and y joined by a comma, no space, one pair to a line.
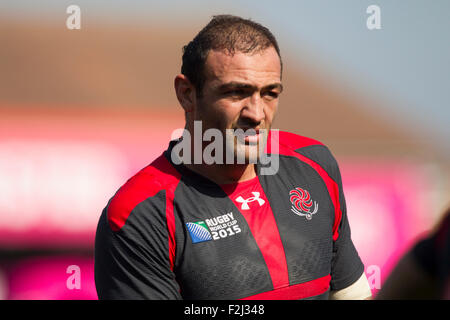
218,115
228,113
270,111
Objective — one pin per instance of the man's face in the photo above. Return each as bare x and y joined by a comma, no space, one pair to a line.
241,91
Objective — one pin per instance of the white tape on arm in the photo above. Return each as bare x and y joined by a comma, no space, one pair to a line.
359,290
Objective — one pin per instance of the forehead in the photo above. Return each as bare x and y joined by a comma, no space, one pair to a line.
257,68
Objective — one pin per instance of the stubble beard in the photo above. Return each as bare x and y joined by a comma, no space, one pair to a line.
245,152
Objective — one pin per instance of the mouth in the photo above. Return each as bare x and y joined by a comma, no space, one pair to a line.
251,136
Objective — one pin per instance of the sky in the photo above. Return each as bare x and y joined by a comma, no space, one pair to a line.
405,63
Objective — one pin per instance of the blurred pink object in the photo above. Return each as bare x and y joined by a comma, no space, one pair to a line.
48,278
58,169
388,209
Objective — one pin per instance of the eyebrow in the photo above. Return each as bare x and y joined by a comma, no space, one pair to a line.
240,85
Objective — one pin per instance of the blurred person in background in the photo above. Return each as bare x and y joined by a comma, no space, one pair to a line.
424,271
183,230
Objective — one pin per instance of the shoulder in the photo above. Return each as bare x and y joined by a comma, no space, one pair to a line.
291,141
291,144
148,182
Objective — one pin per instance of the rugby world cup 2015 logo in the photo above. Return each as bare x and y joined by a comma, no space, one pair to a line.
199,231
302,204
215,228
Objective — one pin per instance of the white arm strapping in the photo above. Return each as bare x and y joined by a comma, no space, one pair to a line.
359,290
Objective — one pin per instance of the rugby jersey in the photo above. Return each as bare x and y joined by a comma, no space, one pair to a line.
170,233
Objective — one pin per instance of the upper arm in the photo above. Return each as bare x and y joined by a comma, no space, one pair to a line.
132,260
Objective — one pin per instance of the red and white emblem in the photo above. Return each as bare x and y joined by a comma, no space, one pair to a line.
302,203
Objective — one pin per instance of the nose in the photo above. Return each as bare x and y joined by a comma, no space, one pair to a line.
253,111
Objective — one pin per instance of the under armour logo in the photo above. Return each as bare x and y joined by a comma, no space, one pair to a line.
245,202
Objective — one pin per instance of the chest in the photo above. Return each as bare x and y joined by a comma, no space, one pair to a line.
253,238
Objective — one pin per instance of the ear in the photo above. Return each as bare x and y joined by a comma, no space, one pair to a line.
185,92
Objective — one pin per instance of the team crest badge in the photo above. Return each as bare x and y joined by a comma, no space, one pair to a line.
302,204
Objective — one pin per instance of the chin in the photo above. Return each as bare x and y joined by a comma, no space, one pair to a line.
248,154
245,152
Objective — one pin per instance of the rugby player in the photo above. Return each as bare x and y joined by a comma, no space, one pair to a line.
186,229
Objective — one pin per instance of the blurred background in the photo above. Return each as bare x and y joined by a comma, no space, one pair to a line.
83,110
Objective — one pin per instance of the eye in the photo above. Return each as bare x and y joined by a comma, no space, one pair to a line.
271,94
235,92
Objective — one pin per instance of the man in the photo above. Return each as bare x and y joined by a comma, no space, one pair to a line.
187,229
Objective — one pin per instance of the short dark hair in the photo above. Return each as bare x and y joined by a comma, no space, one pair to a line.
224,32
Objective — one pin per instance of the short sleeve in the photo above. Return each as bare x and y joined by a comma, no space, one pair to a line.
347,266
133,262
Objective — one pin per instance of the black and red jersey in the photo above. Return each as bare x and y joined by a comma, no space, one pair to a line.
169,233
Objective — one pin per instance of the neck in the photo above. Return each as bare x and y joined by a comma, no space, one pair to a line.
225,173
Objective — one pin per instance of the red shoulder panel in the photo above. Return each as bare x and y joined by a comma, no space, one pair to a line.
159,175
288,140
